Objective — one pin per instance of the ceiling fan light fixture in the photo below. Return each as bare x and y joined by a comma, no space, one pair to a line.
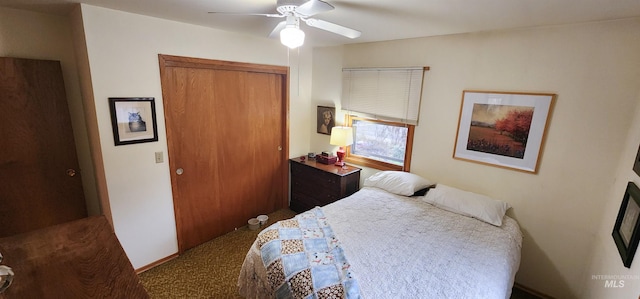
292,37
296,10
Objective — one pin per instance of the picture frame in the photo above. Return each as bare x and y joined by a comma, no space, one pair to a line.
326,117
133,120
503,129
626,231
636,164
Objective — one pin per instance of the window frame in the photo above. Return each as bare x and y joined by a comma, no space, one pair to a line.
368,162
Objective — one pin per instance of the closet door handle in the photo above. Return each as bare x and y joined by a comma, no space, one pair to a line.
179,171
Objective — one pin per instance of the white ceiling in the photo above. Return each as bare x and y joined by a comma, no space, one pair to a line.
377,19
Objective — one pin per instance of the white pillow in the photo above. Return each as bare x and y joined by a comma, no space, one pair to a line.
467,203
397,182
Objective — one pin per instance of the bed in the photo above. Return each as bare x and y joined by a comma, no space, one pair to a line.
388,240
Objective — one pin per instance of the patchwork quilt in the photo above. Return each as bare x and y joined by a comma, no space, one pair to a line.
304,259
401,247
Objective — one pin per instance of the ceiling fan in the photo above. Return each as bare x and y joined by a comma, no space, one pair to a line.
295,10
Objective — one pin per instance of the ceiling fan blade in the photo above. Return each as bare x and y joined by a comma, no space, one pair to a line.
313,7
278,28
270,15
335,28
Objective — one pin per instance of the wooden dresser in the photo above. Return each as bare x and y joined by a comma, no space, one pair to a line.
77,259
316,184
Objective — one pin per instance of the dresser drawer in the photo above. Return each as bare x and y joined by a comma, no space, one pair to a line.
311,201
319,177
312,187
320,194
320,184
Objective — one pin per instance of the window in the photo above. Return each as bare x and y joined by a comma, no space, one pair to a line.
380,144
391,97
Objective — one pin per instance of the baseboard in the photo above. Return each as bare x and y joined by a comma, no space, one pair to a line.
531,291
156,263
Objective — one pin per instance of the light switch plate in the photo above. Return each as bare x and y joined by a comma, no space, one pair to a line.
159,157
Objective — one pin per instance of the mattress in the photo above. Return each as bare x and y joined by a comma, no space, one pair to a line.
403,247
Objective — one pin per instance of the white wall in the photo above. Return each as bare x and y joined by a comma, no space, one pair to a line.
606,260
326,91
300,72
593,68
25,34
123,53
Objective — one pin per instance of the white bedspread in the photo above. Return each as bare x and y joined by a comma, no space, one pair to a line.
402,247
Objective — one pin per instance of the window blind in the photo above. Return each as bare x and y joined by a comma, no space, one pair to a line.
386,93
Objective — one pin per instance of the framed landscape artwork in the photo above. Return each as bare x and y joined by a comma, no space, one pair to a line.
626,230
504,129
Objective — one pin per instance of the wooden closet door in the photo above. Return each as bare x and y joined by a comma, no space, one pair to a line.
40,182
226,133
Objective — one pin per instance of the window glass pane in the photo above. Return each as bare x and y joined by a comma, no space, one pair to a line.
379,141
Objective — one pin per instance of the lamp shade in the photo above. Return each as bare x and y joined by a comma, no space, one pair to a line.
292,37
341,136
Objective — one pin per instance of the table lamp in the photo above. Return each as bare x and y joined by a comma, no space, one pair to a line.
341,136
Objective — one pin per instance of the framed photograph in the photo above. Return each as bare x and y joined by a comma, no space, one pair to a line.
504,129
326,119
625,231
133,120
636,164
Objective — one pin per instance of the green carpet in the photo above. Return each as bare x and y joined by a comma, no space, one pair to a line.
208,271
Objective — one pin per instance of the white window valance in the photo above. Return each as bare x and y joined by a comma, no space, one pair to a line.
386,93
